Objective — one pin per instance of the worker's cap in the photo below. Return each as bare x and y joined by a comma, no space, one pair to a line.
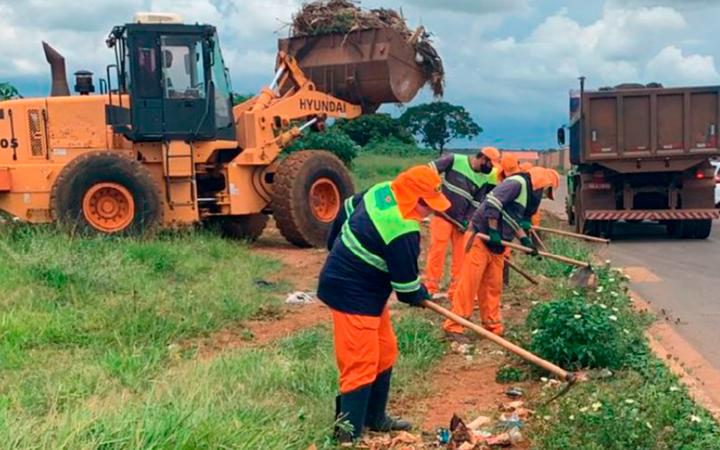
491,153
509,165
525,166
416,184
543,178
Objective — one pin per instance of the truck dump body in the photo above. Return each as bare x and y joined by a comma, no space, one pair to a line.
367,67
627,124
643,154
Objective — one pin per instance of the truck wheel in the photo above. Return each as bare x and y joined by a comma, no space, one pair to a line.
688,229
702,229
308,190
106,193
248,227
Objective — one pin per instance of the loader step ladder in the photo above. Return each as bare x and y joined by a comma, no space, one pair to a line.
179,168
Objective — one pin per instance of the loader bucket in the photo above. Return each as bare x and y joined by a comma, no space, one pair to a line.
366,68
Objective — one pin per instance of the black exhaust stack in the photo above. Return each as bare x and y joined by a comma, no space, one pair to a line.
57,68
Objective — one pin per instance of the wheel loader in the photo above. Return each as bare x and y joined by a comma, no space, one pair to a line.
160,145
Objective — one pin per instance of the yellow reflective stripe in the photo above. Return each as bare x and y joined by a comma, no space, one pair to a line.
352,243
349,208
410,286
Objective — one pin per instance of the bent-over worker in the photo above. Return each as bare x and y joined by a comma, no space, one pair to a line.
466,181
374,246
514,201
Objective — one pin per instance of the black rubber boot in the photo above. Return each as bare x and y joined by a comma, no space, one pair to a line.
377,418
351,408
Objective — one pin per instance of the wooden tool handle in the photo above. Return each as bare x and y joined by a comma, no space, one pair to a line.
575,235
524,274
524,354
522,248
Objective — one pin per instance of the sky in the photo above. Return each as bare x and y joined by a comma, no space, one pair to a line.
511,63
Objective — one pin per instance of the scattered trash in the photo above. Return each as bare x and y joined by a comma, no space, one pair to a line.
479,422
401,441
511,406
264,283
442,435
514,392
461,349
510,420
300,298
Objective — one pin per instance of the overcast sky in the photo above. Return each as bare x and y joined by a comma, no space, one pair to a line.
510,62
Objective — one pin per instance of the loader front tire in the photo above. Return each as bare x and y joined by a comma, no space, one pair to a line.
308,191
106,193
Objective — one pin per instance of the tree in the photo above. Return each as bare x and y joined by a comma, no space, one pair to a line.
333,140
375,127
8,91
438,123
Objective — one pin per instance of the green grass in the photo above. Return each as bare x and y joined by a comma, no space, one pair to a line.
83,317
370,168
279,397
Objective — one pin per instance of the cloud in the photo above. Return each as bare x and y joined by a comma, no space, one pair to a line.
670,65
474,6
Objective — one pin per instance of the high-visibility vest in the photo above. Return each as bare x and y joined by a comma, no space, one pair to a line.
521,199
461,164
383,211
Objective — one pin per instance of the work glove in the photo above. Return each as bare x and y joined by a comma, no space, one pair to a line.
526,225
527,242
495,242
464,224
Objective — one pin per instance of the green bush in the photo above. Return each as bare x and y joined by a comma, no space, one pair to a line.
375,127
332,140
574,333
396,147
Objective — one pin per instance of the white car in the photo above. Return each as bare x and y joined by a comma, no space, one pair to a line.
716,165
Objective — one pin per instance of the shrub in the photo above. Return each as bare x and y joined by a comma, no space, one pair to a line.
574,333
374,127
332,140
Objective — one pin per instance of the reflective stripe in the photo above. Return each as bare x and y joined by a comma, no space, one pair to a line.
497,204
384,213
352,243
434,166
410,286
349,207
459,191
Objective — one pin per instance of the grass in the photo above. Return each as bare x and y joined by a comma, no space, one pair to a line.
278,397
371,168
641,406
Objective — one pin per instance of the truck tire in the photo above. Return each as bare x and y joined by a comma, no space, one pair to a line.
248,227
308,190
106,193
702,229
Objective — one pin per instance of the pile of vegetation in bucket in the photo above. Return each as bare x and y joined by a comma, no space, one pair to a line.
343,16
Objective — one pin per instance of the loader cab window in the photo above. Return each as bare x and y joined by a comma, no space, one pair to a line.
223,102
183,71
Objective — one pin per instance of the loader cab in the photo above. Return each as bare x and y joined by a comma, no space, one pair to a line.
176,80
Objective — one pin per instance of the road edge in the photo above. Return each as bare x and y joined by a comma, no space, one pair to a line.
681,357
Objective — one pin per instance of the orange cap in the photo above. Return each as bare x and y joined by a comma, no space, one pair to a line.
525,166
509,165
543,178
419,182
492,153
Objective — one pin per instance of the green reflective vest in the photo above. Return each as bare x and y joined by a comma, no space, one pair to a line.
385,215
521,199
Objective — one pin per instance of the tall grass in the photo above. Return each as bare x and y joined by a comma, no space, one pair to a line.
371,168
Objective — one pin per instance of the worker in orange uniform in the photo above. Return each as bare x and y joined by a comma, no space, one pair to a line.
509,166
516,198
374,247
466,181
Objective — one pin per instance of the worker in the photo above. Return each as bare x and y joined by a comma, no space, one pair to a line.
374,245
516,198
466,181
509,166
535,219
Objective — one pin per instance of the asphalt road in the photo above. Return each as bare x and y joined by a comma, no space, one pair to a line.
679,278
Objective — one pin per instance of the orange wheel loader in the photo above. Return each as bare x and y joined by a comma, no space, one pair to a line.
161,146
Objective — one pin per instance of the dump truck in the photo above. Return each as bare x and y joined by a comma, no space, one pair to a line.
642,153
160,144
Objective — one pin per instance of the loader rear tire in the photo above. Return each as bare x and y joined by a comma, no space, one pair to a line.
248,227
308,190
106,193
